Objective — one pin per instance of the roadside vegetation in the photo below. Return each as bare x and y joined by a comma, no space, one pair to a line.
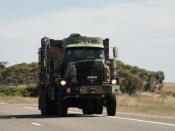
18,100
20,90
135,79
150,104
160,102
18,74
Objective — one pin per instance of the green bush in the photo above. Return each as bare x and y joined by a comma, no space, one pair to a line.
30,90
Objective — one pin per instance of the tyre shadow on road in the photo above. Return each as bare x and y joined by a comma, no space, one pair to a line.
38,116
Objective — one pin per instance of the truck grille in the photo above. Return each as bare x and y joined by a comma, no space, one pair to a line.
89,72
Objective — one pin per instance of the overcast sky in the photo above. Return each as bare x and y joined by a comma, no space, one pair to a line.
143,30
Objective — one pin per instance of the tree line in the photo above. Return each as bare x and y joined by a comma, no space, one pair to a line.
132,78
18,74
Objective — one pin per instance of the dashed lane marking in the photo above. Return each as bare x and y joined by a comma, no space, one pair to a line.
28,107
36,124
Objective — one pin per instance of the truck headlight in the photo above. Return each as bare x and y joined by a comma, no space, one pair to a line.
63,82
114,82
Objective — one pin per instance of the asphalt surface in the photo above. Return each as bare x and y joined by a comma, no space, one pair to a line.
27,118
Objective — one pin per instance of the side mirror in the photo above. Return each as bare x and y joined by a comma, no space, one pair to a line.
115,52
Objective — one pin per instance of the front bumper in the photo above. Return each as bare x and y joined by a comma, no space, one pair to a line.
92,89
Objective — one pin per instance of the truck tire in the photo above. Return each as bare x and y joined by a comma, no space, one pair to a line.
98,108
88,107
93,107
62,110
48,107
45,110
111,105
62,106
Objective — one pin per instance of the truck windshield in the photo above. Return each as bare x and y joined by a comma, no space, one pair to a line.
76,54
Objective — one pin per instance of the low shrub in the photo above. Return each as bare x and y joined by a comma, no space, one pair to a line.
29,91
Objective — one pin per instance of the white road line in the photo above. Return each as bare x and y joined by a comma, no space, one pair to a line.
113,117
36,124
145,115
34,108
152,122
98,115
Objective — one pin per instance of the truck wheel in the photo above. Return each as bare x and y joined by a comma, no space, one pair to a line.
64,110
62,107
88,107
111,105
98,107
48,107
93,107
45,110
99,110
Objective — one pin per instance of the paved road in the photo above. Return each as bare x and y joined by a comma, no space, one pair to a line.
27,118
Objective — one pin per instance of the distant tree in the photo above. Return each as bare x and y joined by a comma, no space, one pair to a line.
2,68
3,64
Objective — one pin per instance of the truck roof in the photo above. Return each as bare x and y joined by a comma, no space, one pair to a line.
76,40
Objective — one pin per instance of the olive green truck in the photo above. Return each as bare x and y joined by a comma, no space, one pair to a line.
77,72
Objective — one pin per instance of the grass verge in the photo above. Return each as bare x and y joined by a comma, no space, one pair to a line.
147,103
18,100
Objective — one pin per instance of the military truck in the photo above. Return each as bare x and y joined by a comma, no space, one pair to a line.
77,72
